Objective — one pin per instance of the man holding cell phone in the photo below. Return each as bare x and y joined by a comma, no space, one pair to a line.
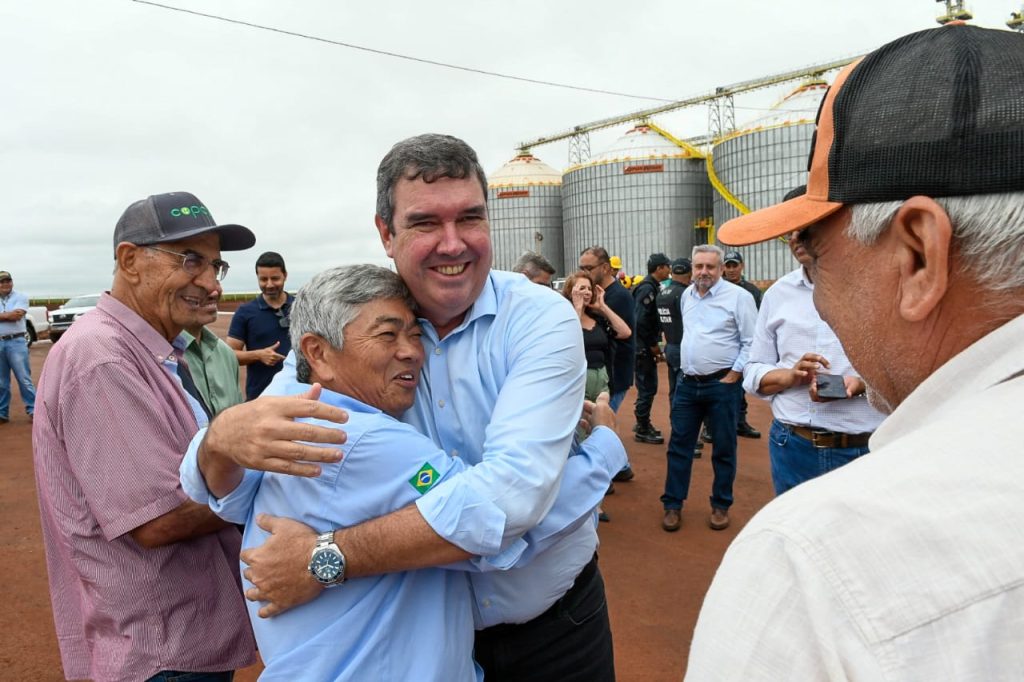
822,419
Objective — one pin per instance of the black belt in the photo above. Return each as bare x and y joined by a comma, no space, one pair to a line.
704,378
8,337
582,581
830,439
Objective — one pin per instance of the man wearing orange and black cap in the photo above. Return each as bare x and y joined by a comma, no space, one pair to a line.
904,564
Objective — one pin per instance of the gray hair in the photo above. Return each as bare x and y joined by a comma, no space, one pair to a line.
708,248
327,303
430,157
988,229
532,264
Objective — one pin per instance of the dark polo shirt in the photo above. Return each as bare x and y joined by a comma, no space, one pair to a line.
257,325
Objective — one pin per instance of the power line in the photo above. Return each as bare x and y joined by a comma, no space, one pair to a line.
385,53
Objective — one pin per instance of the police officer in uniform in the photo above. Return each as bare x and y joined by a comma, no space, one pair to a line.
647,334
671,316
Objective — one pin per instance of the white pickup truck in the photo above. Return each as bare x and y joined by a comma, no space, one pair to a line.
37,323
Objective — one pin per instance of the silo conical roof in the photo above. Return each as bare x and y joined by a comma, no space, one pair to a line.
640,143
523,171
799,106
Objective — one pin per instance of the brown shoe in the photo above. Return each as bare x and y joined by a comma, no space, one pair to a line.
672,520
719,519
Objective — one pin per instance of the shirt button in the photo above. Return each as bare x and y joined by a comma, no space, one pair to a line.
437,351
455,453
486,603
440,403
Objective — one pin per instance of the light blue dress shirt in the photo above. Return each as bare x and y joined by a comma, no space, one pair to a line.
787,327
347,633
413,625
718,328
14,301
503,392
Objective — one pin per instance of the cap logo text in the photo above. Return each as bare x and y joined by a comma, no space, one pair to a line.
189,210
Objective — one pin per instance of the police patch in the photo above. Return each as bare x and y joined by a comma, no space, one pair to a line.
424,479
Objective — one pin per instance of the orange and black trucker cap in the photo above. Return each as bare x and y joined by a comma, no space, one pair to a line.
936,113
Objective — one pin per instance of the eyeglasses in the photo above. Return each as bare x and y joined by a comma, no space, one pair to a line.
195,265
282,319
5,280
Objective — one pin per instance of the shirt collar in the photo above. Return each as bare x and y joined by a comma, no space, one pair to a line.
983,364
207,338
294,387
717,287
263,305
133,323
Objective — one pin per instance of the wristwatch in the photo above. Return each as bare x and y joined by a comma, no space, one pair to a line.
327,563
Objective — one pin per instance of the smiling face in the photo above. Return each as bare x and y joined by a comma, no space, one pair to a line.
441,245
6,286
380,360
707,270
169,298
796,247
271,282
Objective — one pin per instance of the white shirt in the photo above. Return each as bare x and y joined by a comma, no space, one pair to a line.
787,327
717,328
906,564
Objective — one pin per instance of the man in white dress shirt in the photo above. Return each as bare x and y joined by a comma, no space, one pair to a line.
908,563
810,435
718,327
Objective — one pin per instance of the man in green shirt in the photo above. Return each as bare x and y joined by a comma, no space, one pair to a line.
213,365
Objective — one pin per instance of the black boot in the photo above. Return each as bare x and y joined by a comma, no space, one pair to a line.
747,431
645,433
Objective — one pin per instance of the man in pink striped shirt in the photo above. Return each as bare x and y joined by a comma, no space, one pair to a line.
144,582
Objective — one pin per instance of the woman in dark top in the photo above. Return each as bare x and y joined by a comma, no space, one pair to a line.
600,325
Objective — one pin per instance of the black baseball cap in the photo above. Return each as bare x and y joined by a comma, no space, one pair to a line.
681,266
656,259
895,125
733,257
174,216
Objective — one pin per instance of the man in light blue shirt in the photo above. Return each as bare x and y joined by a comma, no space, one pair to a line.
718,327
14,348
369,366
502,387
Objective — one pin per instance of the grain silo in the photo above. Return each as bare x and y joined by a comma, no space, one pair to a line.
524,200
762,161
640,196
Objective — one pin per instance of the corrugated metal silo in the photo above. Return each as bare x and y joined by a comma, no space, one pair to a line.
640,196
524,200
760,163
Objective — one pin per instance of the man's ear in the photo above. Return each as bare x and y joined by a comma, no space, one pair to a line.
316,351
128,257
920,236
385,235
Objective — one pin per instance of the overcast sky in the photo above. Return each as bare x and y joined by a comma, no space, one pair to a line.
108,101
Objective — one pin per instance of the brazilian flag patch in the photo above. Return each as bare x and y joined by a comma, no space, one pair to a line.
425,478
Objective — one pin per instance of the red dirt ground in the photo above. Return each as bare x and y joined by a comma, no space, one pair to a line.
655,580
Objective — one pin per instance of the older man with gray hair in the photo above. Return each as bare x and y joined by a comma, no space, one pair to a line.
718,327
536,267
907,563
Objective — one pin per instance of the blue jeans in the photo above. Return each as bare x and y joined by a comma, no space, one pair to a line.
179,676
795,459
615,400
693,403
14,358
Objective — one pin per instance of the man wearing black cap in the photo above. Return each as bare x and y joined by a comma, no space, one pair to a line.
647,335
670,315
904,564
143,581
733,272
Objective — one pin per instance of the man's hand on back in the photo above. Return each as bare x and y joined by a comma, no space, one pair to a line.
279,568
263,435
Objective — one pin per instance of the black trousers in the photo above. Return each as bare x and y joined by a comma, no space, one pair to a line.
570,642
646,380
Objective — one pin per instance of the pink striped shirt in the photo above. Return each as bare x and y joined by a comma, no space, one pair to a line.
110,428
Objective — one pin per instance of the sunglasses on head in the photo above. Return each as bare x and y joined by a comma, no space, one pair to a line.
282,319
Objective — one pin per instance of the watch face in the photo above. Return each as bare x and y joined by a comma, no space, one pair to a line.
326,565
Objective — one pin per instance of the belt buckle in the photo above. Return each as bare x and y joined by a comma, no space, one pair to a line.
823,439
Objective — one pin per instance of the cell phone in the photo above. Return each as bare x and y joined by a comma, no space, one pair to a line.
831,386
